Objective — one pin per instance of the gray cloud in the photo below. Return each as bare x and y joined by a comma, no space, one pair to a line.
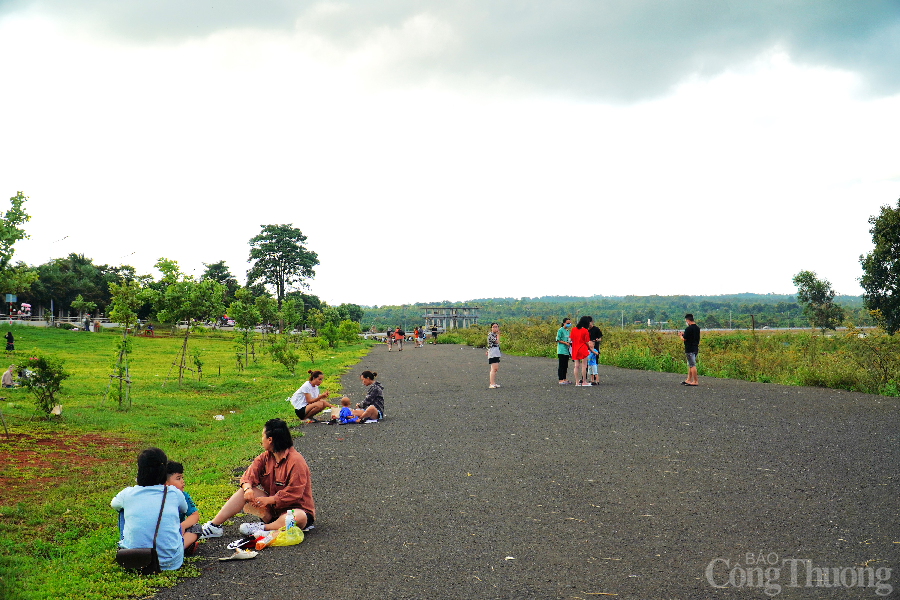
622,51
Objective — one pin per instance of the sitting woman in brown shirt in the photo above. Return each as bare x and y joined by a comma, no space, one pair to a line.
277,480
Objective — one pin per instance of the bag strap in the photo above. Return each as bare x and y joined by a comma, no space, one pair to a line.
158,519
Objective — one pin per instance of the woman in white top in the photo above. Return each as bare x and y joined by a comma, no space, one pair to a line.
307,401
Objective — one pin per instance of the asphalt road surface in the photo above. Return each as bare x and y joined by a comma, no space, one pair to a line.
639,488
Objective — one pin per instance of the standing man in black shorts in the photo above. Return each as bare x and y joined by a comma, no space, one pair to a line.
434,334
691,339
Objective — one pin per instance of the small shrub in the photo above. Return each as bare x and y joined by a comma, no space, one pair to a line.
282,351
44,380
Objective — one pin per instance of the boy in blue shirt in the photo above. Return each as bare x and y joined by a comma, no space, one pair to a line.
190,530
592,363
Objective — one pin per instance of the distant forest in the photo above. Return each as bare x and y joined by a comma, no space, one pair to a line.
711,312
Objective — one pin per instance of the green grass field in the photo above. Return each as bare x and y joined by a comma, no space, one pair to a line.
57,476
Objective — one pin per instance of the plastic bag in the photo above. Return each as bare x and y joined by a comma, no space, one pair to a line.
288,537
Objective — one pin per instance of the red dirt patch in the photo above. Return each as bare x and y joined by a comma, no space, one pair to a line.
31,462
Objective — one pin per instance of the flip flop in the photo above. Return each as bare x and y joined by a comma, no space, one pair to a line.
241,555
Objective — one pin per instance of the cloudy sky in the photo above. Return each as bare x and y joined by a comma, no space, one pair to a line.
459,149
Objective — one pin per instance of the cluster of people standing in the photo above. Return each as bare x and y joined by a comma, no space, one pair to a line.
397,336
578,345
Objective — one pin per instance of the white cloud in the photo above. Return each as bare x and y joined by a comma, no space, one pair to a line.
421,192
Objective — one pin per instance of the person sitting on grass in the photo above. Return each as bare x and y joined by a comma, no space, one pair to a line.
346,415
7,379
276,480
307,401
139,509
372,407
190,530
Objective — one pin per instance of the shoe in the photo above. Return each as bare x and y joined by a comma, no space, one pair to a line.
190,550
565,382
309,527
210,531
252,528
243,543
490,387
371,421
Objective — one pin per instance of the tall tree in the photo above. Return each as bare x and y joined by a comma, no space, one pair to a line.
63,279
219,272
351,312
13,277
817,299
881,269
279,258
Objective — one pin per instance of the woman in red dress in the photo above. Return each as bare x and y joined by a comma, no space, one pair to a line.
579,337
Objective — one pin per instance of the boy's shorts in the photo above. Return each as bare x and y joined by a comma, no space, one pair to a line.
195,528
592,369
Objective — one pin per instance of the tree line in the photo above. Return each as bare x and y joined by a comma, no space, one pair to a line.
280,267
815,303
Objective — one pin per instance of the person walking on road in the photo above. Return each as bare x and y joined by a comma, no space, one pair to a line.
691,339
563,348
493,353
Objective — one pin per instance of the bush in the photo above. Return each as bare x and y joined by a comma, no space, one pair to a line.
46,375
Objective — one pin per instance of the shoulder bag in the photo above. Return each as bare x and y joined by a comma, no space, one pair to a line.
143,560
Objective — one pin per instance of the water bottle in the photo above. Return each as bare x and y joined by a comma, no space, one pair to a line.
289,519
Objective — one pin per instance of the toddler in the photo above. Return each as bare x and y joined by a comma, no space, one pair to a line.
346,415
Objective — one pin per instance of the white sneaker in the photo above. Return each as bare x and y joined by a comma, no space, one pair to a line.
251,528
210,531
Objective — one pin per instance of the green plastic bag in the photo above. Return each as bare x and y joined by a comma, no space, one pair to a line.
288,537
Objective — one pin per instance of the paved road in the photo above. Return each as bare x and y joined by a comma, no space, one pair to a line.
535,490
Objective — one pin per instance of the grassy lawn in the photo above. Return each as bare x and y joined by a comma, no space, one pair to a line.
57,477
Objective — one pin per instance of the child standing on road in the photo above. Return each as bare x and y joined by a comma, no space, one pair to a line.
592,363
190,530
